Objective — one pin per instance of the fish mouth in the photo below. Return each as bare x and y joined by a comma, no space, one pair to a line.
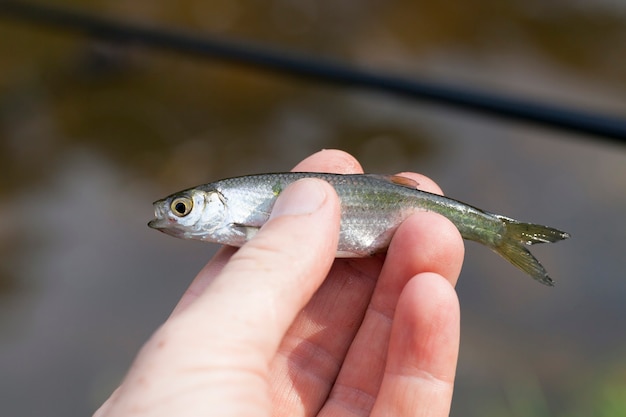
156,224
160,220
166,226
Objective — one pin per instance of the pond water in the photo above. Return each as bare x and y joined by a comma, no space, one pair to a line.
92,133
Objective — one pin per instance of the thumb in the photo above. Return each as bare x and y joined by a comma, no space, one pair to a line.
226,338
268,281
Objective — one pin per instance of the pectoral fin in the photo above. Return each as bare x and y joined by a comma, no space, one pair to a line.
246,231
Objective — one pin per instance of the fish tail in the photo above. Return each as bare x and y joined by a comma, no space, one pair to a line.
516,235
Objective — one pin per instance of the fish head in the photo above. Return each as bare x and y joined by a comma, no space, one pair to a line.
190,214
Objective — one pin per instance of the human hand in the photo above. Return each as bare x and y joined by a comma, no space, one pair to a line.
281,328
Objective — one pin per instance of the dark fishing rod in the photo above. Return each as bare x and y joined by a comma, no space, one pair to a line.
573,120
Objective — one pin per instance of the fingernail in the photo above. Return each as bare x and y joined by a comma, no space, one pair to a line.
302,197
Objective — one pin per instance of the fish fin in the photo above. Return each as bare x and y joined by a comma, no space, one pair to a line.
245,230
529,233
348,254
518,234
397,179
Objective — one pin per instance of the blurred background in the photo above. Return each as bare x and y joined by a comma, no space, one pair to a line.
91,133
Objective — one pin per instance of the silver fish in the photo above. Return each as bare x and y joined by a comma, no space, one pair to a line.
232,210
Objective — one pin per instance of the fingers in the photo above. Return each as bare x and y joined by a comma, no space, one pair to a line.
267,297
424,243
423,351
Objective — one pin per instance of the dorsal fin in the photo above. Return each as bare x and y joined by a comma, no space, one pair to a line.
404,181
398,180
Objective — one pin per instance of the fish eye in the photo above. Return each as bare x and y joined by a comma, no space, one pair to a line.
181,206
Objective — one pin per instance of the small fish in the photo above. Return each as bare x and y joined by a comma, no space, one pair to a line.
232,210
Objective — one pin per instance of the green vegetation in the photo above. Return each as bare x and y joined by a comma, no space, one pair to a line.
525,397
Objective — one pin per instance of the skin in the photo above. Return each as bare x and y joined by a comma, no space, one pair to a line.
281,328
